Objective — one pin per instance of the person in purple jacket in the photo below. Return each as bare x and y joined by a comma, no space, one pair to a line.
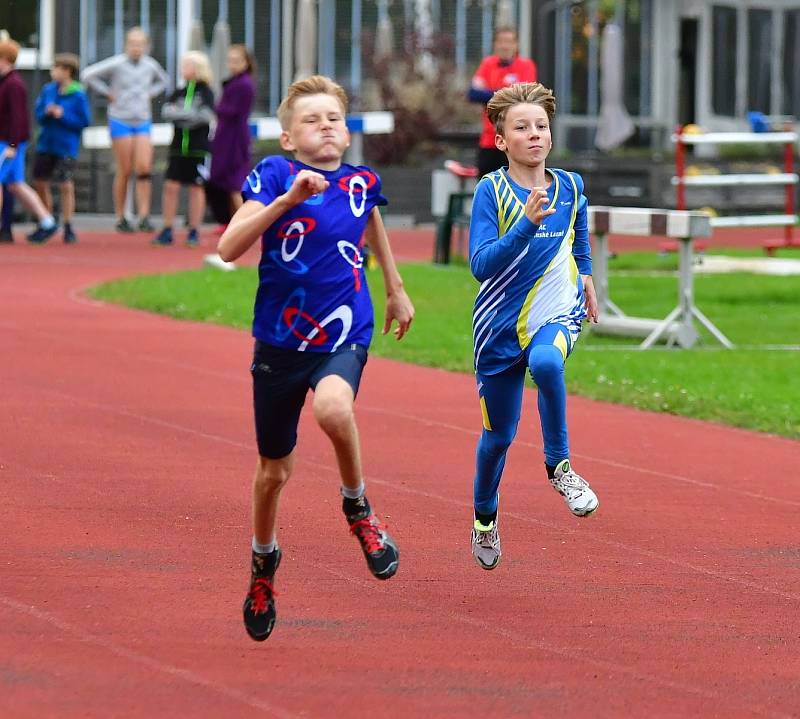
230,149
15,132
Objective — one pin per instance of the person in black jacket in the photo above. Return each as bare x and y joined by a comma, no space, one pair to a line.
191,110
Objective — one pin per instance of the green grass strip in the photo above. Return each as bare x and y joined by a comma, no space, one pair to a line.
750,387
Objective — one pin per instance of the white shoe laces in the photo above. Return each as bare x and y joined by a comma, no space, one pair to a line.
570,484
489,539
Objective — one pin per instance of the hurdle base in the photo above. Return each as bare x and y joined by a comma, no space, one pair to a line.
770,246
626,326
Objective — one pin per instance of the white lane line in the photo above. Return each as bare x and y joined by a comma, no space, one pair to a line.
241,377
147,661
449,500
572,654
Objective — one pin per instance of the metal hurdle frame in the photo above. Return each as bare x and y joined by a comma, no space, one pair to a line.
678,327
788,178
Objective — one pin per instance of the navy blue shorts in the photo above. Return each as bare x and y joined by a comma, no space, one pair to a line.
281,380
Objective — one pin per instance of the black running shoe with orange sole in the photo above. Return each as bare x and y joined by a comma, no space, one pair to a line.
259,605
379,548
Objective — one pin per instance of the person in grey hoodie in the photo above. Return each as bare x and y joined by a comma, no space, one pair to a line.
130,81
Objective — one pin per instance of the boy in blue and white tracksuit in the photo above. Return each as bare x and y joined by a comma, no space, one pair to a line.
529,248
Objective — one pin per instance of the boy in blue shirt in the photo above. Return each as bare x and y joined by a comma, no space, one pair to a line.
529,248
62,109
313,317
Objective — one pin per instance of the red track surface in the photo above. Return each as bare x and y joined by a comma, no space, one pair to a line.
126,452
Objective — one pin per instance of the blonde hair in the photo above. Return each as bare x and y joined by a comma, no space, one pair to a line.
533,93
314,85
9,50
202,66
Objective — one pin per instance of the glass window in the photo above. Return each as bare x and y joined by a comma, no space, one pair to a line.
790,78
759,68
18,17
723,61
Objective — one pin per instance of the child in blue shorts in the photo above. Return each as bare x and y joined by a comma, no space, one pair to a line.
313,317
529,248
14,136
62,110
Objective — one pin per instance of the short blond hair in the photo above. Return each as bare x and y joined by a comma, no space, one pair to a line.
314,85
533,93
201,64
9,50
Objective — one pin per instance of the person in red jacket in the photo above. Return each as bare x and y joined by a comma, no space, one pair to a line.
14,135
505,67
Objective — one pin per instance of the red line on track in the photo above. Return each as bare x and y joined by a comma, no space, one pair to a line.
125,455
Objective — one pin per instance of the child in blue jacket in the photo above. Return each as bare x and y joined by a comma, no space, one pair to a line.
62,109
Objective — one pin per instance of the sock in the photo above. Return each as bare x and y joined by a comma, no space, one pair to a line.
353,493
264,548
485,519
47,222
67,226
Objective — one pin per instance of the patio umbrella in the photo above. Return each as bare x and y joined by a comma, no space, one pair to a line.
384,34
615,124
220,43
197,40
505,14
423,23
305,48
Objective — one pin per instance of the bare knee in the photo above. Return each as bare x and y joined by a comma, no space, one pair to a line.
334,413
271,475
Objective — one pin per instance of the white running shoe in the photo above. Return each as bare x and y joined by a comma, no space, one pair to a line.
486,544
575,490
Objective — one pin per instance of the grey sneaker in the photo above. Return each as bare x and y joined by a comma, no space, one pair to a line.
575,490
486,544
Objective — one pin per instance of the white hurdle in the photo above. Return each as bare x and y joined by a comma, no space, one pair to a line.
263,128
678,327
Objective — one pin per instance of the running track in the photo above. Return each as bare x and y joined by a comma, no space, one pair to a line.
125,459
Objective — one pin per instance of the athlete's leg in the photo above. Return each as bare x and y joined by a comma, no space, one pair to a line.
270,478
169,201
143,165
28,197
547,354
122,148
501,404
335,386
67,200
197,205
333,410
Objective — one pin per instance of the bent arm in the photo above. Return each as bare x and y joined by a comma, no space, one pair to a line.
97,76
160,81
488,252
251,221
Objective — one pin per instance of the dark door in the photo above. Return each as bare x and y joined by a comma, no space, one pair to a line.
687,72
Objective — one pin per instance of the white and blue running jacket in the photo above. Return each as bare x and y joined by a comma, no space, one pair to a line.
529,274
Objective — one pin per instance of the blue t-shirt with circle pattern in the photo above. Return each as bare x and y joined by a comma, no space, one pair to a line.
312,293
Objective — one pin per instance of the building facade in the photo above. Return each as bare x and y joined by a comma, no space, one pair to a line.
706,62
